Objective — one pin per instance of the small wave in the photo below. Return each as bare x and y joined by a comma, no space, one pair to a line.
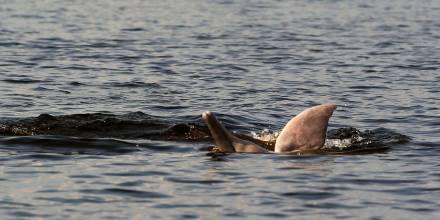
23,81
50,147
309,195
107,133
135,125
350,140
126,193
65,145
134,84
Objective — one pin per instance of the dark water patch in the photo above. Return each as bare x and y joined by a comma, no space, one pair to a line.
138,173
76,83
81,67
55,40
234,194
129,163
274,215
171,107
102,44
126,193
27,214
295,210
367,87
134,85
193,181
386,44
36,172
434,123
84,176
28,16
64,91
189,216
190,206
412,67
8,204
44,89
290,157
23,81
161,69
79,201
330,205
419,201
230,173
208,37
41,156
119,57
166,147
274,178
269,201
66,146
51,44
216,156
415,209
383,53
132,183
133,125
336,188
309,195
233,67
425,144
377,181
134,29
41,89
48,67
410,191
9,44
48,191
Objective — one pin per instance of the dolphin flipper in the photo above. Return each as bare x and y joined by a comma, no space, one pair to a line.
226,141
306,131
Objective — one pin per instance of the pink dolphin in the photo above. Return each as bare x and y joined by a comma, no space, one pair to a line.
304,132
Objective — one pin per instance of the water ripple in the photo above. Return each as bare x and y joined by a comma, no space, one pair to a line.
126,193
90,69
309,195
196,181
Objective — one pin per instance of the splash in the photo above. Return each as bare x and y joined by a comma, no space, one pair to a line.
349,139
141,126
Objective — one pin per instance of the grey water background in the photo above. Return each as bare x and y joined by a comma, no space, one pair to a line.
258,63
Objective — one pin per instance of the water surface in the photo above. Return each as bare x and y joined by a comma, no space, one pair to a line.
256,63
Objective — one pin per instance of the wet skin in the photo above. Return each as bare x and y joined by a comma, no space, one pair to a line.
305,132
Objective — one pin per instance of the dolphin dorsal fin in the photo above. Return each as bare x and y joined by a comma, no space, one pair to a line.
307,130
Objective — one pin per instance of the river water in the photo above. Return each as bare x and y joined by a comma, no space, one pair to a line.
257,64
